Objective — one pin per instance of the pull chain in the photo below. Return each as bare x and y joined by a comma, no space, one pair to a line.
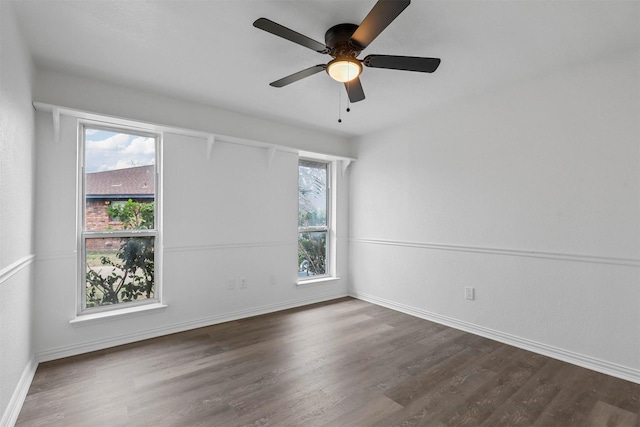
339,105
349,90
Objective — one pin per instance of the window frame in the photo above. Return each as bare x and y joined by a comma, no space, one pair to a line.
83,235
329,228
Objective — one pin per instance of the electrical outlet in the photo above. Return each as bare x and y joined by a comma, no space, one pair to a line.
231,283
243,282
469,293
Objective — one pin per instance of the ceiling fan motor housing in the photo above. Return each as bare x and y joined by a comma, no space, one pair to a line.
338,39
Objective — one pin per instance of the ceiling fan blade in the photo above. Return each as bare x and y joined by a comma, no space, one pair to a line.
407,63
382,14
298,76
354,90
288,34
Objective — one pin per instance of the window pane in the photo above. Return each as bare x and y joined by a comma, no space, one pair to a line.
312,253
119,270
119,180
312,194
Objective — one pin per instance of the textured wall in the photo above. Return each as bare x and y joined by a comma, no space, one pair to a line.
16,209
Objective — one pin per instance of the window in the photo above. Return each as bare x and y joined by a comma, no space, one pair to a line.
118,219
314,219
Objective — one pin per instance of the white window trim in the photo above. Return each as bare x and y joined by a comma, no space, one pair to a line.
331,256
107,311
128,311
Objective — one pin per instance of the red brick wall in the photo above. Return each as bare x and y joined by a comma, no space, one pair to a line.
97,219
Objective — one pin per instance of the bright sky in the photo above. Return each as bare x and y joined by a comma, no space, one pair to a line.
105,150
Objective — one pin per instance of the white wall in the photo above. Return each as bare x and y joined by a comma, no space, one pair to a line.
16,217
532,196
128,102
229,216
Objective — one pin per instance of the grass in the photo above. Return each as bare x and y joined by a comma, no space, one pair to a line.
94,257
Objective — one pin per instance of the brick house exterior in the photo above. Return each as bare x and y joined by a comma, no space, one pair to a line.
116,186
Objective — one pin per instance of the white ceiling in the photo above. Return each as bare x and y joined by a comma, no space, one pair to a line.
208,51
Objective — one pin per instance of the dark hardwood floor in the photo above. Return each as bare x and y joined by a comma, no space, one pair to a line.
341,363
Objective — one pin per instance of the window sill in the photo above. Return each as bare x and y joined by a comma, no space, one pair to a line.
317,280
88,319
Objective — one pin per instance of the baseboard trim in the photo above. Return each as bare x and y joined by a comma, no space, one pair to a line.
86,347
581,360
11,412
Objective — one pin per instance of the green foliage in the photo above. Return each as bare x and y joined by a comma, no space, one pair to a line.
133,215
312,252
311,218
130,276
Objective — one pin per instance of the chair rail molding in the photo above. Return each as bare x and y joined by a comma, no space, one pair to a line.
592,259
16,267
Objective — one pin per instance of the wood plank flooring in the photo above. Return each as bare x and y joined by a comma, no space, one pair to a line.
340,363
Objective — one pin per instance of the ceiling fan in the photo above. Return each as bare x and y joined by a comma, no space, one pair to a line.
344,42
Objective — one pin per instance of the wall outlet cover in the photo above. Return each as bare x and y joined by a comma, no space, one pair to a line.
469,293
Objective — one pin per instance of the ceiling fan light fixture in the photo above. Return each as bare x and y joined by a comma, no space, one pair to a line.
344,69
